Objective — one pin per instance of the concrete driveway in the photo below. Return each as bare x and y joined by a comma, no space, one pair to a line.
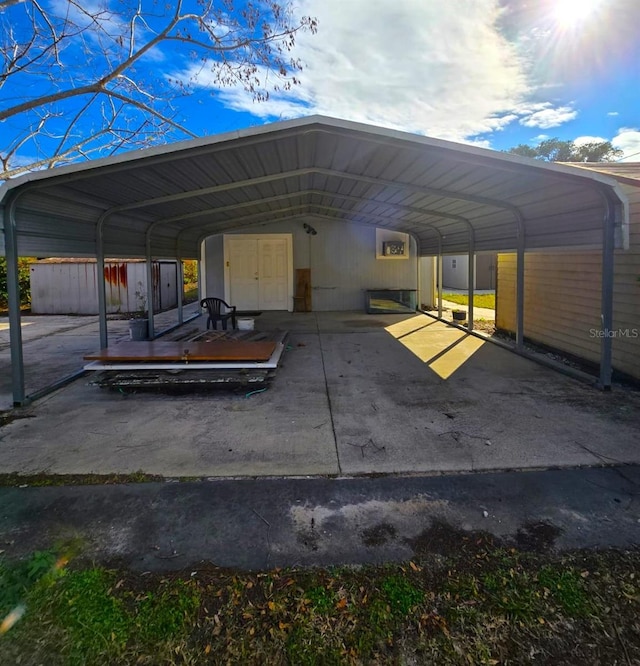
356,394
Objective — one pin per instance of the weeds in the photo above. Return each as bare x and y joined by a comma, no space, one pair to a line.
16,579
486,607
44,479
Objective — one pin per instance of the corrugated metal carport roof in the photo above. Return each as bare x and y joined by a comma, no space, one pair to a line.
430,188
452,198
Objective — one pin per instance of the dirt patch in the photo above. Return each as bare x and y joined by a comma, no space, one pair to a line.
538,537
9,417
443,539
484,325
378,535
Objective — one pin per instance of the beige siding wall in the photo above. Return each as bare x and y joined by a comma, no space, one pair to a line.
562,298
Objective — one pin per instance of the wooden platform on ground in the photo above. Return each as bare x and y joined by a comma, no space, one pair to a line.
185,351
185,380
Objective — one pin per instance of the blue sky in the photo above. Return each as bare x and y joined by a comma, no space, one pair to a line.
494,73
486,72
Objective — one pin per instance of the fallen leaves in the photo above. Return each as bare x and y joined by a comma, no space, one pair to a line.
480,610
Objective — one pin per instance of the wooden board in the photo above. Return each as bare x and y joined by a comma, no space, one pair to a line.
219,350
302,298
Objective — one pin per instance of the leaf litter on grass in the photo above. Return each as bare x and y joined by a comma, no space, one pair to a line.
484,604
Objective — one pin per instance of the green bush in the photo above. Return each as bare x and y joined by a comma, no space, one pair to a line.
23,280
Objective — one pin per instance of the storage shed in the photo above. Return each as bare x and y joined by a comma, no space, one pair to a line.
70,286
563,290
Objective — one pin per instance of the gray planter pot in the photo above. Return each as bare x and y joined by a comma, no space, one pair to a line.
138,329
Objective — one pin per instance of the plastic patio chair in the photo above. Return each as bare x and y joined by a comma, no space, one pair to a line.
217,314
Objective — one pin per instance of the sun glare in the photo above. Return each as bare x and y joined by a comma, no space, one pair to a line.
570,12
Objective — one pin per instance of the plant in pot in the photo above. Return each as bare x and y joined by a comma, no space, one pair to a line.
139,321
459,315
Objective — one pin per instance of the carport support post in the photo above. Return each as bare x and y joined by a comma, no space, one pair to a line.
439,276
102,293
471,279
180,287
520,291
102,299
151,332
13,293
608,244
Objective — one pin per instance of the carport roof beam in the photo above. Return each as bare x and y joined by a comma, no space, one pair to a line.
398,185
214,228
413,209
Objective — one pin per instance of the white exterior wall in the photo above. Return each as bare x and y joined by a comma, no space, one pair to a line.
342,259
427,282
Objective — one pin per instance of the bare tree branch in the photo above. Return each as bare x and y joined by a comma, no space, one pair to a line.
5,4
150,111
73,76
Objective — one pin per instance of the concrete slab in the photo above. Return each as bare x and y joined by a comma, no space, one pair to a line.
423,397
285,430
356,394
54,346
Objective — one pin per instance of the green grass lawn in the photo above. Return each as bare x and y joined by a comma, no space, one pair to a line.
479,300
481,604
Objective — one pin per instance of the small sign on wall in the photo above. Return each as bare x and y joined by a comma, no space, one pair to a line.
393,248
391,244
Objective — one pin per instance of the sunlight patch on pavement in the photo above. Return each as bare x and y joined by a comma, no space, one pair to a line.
443,348
4,326
402,328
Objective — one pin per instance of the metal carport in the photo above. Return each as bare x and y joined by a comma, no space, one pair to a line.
452,198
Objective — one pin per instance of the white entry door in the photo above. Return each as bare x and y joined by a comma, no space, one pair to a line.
258,270
242,261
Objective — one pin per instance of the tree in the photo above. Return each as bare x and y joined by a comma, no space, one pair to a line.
556,150
81,78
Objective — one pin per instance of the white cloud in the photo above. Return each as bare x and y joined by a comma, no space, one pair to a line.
549,116
628,140
439,68
613,113
478,143
106,29
582,140
537,139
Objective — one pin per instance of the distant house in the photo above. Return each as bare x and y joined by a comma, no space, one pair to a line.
455,271
562,291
